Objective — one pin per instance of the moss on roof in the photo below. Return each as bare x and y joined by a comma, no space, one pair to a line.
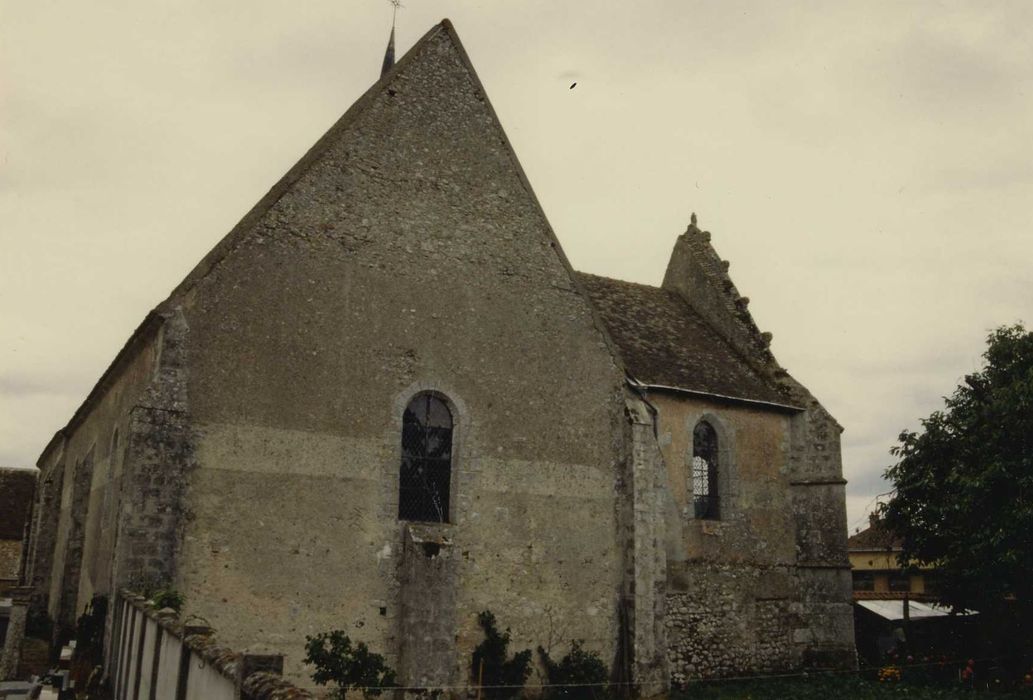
664,342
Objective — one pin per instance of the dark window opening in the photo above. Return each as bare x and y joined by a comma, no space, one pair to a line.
864,581
426,472
900,582
704,471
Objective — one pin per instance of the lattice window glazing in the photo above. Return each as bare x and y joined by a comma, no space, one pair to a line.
704,471
426,472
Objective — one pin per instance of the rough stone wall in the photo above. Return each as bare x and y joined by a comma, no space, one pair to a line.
43,533
10,559
825,633
82,475
823,630
159,456
701,277
72,540
428,607
10,651
730,602
719,626
407,254
643,509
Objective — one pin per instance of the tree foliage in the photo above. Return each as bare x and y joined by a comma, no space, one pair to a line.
502,677
580,675
963,498
347,666
89,628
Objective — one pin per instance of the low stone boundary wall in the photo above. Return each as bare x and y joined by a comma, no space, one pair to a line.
154,656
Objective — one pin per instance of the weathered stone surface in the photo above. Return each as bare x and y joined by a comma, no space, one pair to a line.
245,446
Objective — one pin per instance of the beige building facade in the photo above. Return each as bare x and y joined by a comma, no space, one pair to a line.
385,403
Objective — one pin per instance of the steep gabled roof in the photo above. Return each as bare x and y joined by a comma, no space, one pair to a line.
666,343
240,231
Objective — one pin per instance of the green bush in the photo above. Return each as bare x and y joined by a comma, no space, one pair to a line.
580,675
338,662
501,677
167,598
89,628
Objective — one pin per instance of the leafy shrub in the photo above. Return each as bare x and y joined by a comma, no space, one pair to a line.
500,677
38,624
89,628
167,598
337,661
578,675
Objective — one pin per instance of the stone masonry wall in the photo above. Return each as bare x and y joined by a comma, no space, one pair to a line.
427,622
160,454
720,626
65,508
43,534
731,604
82,475
814,495
646,560
405,253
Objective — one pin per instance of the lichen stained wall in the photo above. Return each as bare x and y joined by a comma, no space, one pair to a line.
729,593
410,255
80,482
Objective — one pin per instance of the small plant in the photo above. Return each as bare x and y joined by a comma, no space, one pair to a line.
579,674
356,668
500,677
167,598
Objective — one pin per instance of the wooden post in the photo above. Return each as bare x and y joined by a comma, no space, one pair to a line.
907,621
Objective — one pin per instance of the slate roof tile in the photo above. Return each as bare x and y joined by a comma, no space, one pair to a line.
664,342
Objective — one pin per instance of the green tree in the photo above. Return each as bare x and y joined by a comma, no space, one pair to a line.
347,666
501,677
580,675
963,485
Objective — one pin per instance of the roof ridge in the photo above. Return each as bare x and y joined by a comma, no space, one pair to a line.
666,343
228,242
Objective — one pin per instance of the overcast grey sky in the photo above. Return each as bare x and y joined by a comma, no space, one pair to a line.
866,167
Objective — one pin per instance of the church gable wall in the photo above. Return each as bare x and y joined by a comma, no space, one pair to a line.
410,256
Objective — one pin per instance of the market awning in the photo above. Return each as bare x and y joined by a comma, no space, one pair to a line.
894,609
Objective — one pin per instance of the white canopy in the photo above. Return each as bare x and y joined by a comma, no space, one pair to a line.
894,609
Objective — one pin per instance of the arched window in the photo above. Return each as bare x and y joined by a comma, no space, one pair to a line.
704,471
426,473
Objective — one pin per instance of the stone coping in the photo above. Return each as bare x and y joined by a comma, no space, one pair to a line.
259,676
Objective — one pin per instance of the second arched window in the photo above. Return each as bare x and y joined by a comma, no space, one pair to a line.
426,471
704,471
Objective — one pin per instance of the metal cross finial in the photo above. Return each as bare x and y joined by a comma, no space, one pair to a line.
389,55
395,4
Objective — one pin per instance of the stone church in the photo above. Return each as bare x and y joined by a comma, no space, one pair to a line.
385,402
